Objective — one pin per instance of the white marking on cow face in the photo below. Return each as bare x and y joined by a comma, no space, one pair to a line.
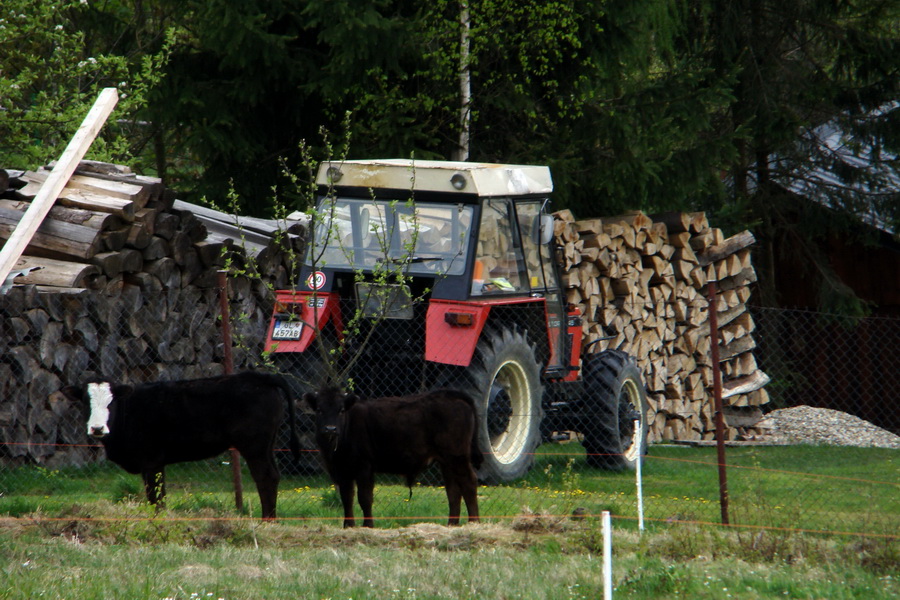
100,396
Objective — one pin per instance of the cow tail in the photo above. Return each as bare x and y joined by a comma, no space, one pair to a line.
476,453
292,418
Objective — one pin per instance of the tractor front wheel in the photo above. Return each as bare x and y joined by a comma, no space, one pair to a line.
504,379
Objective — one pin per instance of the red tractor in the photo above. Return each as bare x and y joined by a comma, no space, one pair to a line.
426,274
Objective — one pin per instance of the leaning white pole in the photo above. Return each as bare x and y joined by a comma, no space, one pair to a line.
607,556
56,181
640,486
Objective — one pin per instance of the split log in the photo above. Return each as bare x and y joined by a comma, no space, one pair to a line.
699,222
115,239
744,385
57,273
59,237
147,216
565,215
730,246
138,236
166,225
744,344
589,226
636,220
675,222
156,249
78,216
109,263
121,173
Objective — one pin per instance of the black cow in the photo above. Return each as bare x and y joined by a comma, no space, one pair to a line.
397,435
148,426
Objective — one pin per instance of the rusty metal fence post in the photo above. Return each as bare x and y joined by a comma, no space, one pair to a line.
228,362
717,393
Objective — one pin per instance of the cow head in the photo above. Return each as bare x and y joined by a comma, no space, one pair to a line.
330,405
100,397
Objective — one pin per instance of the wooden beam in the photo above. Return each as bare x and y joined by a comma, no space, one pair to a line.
56,181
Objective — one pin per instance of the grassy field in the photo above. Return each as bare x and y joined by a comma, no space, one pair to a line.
87,533
530,557
855,490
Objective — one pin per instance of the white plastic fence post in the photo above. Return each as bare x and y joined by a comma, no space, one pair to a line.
640,486
607,556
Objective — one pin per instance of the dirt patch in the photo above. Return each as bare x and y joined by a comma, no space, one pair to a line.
419,535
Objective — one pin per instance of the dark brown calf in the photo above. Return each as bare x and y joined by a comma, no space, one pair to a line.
398,435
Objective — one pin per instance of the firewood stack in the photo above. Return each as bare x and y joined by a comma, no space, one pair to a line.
126,288
640,282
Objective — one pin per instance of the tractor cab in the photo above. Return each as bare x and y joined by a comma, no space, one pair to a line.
472,229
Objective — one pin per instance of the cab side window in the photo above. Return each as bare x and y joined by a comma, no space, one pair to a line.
538,257
497,259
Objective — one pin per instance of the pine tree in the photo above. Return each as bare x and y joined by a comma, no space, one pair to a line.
807,71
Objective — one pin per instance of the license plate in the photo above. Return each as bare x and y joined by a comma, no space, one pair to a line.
287,330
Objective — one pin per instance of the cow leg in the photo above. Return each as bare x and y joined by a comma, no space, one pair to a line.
366,494
451,485
155,486
346,492
461,480
468,481
266,476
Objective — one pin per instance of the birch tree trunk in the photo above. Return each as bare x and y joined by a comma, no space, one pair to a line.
465,84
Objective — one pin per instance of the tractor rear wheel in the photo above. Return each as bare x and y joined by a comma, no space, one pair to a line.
616,399
504,379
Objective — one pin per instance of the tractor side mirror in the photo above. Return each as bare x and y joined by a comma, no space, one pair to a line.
542,229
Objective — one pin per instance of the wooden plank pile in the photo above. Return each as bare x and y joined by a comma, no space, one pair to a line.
640,282
110,227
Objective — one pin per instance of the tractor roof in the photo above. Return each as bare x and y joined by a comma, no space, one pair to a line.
482,179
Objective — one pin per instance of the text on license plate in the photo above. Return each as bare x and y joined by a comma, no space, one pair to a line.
287,330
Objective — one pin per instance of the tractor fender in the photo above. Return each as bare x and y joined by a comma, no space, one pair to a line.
453,327
316,310
452,330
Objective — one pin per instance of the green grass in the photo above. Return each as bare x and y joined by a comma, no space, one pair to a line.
802,487
526,558
88,533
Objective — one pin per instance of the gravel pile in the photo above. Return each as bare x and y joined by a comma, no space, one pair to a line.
808,425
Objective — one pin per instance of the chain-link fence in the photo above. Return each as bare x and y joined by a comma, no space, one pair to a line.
827,361
548,444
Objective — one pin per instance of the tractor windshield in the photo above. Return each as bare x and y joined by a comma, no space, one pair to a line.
420,238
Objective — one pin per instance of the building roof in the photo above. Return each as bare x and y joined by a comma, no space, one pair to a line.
845,171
